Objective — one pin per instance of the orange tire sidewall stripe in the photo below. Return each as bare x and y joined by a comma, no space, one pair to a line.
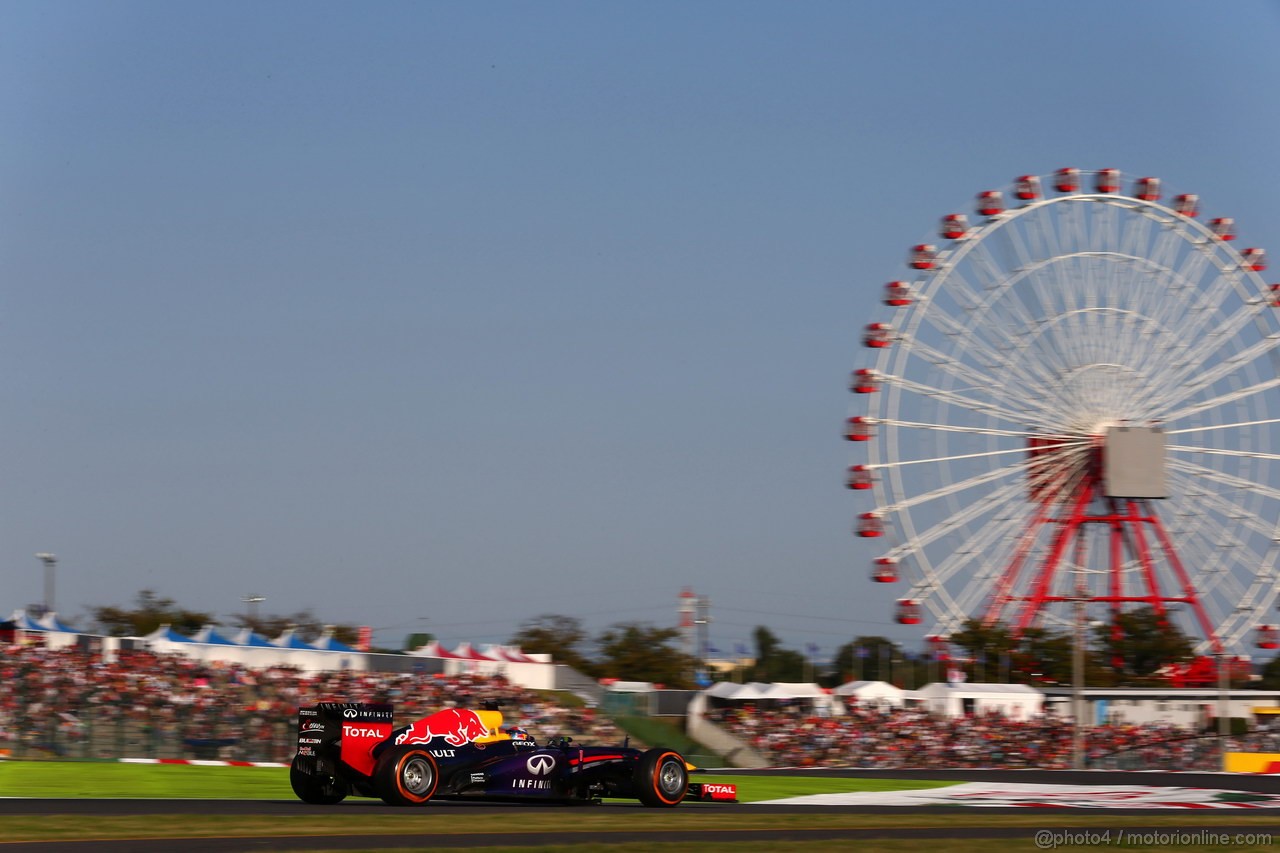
400,776
657,771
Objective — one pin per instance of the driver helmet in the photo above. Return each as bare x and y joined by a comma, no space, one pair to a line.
518,733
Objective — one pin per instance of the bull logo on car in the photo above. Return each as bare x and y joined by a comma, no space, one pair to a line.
456,726
540,765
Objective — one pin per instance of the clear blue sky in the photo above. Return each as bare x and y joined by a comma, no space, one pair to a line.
446,315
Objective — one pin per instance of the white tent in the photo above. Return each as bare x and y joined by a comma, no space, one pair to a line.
758,691
1015,701
722,690
880,693
802,689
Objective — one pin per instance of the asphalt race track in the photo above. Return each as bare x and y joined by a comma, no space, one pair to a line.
1126,818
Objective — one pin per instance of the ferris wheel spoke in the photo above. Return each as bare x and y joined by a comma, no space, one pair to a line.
1012,310
1234,514
1222,400
935,579
959,519
1207,330
949,489
996,350
1191,469
1011,393
1215,451
967,372
1137,232
1181,384
1210,427
958,400
1067,441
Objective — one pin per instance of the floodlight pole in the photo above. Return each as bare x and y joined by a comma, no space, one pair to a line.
1224,723
253,601
1077,686
50,563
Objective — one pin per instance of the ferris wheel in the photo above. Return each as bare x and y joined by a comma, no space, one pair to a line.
1070,400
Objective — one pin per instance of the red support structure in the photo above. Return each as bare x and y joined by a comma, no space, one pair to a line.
1066,512
1001,595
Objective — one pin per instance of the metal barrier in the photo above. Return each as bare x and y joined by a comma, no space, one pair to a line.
224,735
1201,752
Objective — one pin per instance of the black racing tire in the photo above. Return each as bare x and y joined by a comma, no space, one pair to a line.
316,790
406,776
662,778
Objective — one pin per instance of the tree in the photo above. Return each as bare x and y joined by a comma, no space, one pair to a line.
149,613
304,624
1270,675
1140,642
774,663
633,651
558,636
1036,656
867,659
418,640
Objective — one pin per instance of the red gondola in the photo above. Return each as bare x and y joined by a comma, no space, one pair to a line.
1268,637
870,525
859,429
885,570
859,478
1066,180
955,226
990,203
908,612
923,256
864,381
1255,259
1224,227
898,294
1107,181
1275,295
1147,189
878,336
1187,204
1027,187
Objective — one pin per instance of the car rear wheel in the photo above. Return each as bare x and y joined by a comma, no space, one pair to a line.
406,776
316,790
662,778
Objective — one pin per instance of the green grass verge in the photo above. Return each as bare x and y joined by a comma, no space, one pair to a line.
177,781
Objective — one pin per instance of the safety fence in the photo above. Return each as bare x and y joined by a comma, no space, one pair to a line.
225,735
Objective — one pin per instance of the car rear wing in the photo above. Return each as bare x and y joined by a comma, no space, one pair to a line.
329,732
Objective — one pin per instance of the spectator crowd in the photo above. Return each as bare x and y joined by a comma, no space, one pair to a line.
73,703
875,736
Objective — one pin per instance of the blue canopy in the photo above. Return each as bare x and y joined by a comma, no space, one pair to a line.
48,622
167,634
290,640
55,624
247,637
328,644
210,636
23,622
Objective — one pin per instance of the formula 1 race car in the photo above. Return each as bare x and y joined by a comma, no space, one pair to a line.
351,748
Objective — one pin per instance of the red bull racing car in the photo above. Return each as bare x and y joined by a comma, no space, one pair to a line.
352,748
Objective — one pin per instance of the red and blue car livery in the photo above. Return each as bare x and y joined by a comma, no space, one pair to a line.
353,748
